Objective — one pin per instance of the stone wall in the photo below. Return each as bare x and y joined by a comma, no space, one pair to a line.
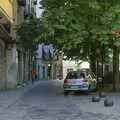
12,67
15,67
2,66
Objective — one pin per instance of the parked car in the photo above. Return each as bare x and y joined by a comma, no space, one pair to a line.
79,81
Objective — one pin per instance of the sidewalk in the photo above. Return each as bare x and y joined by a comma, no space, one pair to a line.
8,98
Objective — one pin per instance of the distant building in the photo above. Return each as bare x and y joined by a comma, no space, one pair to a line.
30,9
49,65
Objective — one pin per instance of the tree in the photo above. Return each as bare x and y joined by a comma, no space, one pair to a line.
80,28
28,33
73,34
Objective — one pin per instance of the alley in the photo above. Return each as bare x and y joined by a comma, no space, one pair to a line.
45,101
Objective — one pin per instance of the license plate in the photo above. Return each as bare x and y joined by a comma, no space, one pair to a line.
74,87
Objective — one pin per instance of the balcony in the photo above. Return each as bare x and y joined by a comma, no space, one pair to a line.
28,16
6,11
4,33
35,2
7,28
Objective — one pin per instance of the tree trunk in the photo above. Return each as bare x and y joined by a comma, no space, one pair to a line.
97,68
102,69
116,82
93,65
93,61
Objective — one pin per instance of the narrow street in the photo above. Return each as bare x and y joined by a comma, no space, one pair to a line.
74,40
45,101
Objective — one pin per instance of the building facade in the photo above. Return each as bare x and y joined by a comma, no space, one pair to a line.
27,11
15,62
6,21
49,65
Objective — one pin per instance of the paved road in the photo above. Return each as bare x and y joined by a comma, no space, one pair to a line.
45,101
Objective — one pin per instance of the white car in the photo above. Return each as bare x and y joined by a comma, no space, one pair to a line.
79,81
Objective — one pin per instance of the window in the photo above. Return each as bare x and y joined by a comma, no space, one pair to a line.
75,75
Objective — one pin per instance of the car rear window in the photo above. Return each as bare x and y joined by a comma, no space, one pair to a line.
74,75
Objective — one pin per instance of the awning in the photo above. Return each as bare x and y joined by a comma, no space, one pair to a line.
6,10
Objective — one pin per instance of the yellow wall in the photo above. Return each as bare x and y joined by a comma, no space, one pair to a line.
7,9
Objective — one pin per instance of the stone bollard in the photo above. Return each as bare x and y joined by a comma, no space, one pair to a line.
95,99
108,102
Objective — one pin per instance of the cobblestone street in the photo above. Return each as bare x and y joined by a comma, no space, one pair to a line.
45,101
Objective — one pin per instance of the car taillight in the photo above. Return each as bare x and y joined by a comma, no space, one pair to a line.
65,81
85,80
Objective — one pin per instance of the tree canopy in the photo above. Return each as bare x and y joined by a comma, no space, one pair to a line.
76,26
28,34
